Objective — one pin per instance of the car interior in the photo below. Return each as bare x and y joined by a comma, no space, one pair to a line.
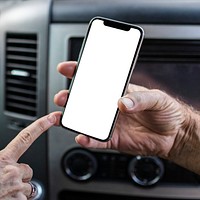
36,35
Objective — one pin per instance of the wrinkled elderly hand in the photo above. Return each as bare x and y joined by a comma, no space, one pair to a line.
150,123
15,177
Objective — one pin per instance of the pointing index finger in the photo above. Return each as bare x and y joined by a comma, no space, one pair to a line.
27,136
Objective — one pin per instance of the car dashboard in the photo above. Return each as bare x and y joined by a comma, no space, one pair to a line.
35,35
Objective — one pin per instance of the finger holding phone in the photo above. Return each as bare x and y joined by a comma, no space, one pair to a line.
150,122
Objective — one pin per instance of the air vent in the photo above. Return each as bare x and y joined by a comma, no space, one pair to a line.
21,74
170,50
173,50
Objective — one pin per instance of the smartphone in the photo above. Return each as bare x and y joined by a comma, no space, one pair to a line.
105,64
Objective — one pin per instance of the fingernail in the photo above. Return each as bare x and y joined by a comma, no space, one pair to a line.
128,103
51,118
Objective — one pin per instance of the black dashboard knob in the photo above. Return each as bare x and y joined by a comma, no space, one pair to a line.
146,171
80,164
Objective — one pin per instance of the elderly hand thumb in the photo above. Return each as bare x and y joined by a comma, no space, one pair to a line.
126,104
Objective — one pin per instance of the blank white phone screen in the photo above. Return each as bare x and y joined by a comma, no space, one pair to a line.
100,79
